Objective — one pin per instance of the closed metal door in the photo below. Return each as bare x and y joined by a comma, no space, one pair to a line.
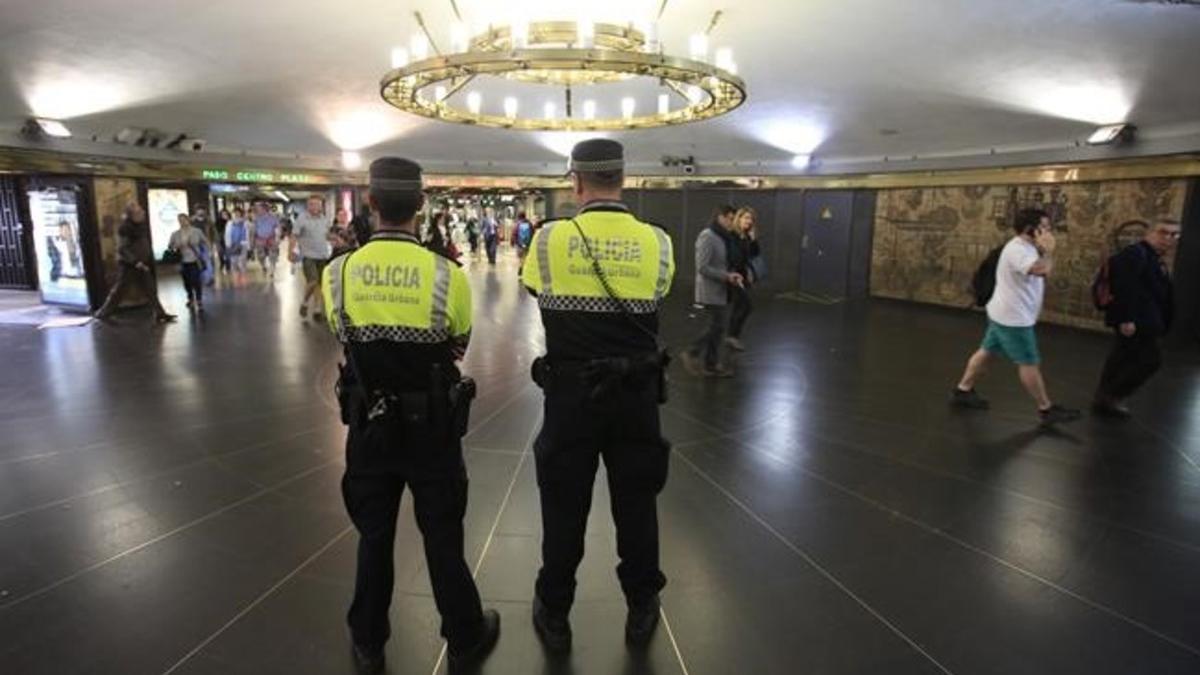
15,271
825,246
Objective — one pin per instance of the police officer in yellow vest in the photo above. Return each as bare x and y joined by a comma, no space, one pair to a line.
403,315
599,279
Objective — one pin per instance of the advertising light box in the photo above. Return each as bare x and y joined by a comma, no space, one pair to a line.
62,278
164,209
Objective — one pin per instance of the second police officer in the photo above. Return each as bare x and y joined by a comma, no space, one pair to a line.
403,314
599,279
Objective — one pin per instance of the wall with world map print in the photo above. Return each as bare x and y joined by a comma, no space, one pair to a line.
929,241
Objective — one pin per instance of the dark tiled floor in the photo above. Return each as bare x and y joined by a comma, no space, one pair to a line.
169,504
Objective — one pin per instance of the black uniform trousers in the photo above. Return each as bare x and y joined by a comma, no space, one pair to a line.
382,458
623,428
1132,361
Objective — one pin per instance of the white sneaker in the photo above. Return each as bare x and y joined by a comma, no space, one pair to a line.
735,344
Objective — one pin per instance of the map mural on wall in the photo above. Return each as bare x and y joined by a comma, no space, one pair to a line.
929,241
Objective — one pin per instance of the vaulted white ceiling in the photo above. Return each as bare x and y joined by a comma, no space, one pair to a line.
954,78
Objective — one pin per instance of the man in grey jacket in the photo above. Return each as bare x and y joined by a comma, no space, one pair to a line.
713,281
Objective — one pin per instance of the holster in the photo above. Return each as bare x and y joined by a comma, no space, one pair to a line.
607,376
352,400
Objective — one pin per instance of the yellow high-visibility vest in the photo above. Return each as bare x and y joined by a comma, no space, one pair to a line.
394,289
635,257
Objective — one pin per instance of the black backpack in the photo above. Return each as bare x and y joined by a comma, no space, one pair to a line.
983,284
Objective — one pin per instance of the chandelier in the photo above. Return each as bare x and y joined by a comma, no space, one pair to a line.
569,58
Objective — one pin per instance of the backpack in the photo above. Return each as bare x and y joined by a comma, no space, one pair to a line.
983,283
1102,295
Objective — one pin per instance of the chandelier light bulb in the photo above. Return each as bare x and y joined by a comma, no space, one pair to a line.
589,109
585,30
650,30
699,47
694,94
550,110
627,106
474,102
439,94
510,107
664,104
419,46
399,57
519,32
459,38
723,58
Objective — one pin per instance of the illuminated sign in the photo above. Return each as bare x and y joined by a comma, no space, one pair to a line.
252,176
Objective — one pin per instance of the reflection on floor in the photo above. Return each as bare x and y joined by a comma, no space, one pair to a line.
169,503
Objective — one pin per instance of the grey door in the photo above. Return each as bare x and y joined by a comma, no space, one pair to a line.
825,246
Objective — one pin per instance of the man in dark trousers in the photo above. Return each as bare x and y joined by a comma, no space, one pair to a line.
135,262
600,279
1140,314
403,315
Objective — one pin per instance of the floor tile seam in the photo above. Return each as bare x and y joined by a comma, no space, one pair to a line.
1170,443
662,610
496,413
939,532
951,475
858,447
815,565
127,440
943,534
161,537
104,412
155,475
259,600
499,515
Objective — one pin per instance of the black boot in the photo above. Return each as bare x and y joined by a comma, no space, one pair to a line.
468,655
368,661
641,622
553,629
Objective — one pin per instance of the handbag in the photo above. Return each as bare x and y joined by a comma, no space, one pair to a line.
172,257
758,268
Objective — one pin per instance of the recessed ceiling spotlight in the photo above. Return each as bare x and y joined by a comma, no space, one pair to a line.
889,132
1110,134
40,126
351,160
801,161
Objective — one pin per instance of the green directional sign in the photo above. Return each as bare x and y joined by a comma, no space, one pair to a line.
258,176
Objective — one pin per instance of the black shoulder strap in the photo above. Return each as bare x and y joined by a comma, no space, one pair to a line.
603,278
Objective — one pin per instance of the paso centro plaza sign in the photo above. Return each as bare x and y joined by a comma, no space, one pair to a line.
260,176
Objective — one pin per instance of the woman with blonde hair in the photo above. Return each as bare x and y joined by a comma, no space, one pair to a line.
743,249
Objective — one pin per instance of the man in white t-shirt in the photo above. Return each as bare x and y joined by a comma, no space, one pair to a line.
1012,312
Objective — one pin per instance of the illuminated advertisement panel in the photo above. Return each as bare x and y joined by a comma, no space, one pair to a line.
164,208
62,278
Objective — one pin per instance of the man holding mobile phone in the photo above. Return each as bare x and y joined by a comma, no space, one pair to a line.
1013,311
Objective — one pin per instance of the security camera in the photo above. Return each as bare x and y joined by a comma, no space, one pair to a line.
689,169
195,144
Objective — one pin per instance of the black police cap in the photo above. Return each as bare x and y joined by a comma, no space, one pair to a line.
395,174
597,155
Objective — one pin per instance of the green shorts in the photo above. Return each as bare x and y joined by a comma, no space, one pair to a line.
1018,343
312,269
